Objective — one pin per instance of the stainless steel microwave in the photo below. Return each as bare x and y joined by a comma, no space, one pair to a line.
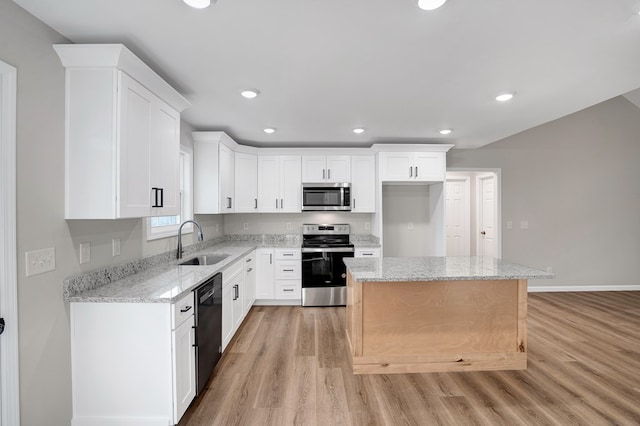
326,197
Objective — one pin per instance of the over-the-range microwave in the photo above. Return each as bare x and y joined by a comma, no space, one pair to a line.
326,197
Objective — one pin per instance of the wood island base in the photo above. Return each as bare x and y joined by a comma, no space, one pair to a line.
436,326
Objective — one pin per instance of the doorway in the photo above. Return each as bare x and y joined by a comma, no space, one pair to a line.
9,375
473,212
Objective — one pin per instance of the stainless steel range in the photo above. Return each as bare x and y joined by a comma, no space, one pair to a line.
324,275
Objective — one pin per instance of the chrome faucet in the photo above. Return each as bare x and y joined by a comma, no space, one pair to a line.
200,237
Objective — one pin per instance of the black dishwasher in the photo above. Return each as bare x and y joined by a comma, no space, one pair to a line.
208,329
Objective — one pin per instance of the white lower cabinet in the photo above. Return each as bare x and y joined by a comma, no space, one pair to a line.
232,302
132,362
279,276
264,274
249,295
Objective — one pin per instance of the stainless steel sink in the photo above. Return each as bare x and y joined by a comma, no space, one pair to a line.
205,259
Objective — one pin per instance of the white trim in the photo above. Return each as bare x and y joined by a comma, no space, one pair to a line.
9,371
466,178
572,288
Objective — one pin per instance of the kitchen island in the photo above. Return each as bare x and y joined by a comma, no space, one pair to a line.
437,314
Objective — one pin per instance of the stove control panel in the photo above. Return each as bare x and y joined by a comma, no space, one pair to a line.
326,229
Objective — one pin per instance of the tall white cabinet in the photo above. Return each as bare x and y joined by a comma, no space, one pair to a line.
363,184
279,184
122,137
213,173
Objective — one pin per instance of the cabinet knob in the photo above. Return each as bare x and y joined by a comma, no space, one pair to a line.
483,233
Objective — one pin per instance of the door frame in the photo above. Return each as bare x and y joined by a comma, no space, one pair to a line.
9,371
480,171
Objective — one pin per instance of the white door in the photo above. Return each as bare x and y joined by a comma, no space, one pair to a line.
363,184
164,157
458,223
268,183
339,168
487,215
9,389
246,183
290,184
314,168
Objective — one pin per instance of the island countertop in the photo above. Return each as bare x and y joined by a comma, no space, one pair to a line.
404,269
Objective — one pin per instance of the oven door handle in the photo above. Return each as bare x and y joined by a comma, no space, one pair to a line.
328,250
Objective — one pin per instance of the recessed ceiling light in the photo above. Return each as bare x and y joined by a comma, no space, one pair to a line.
198,4
250,93
504,97
358,130
270,130
445,131
430,4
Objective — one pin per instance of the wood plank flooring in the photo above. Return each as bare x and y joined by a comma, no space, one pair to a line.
289,366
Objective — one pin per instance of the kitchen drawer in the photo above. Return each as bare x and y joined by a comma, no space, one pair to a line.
288,270
367,252
287,254
182,310
288,289
231,271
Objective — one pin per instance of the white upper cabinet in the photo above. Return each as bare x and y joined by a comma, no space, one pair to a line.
213,173
122,139
246,183
412,166
363,184
279,184
326,168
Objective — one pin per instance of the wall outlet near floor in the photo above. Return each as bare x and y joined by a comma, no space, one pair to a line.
245,226
115,246
85,253
288,226
410,225
524,224
40,261
367,226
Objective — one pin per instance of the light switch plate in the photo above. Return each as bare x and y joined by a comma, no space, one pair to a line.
524,224
85,252
509,225
40,261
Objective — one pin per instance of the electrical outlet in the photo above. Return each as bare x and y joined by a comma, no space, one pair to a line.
85,253
509,225
288,226
367,226
245,226
40,261
550,269
217,227
410,225
115,246
524,224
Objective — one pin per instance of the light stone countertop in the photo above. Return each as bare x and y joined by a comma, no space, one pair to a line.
168,282
389,269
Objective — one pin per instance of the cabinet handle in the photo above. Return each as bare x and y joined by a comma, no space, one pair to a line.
281,203
329,174
250,269
287,289
367,254
157,202
416,171
323,175
229,201
354,203
248,260
161,197
185,309
270,259
276,203
256,203
410,171
287,254
287,270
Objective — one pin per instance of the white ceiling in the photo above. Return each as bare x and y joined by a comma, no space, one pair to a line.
325,67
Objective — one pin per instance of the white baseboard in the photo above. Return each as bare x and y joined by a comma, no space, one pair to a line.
568,288
277,302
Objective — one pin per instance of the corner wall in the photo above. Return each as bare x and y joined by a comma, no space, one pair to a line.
575,180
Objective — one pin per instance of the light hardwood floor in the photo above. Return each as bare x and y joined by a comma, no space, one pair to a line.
289,365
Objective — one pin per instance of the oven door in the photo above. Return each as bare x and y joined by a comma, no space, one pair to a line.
323,267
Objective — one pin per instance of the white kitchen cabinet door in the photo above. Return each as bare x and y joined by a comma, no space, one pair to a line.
135,105
246,183
164,161
290,184
249,293
228,295
184,368
265,274
268,183
314,168
429,166
227,175
396,166
363,184
367,252
238,301
338,168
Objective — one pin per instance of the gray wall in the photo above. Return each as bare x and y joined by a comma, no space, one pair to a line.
276,223
45,364
576,181
403,205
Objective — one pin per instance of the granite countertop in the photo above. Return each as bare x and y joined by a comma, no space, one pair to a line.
166,282
388,269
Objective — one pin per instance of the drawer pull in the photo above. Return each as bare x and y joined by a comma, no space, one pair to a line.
185,309
287,270
367,254
250,269
287,254
287,289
